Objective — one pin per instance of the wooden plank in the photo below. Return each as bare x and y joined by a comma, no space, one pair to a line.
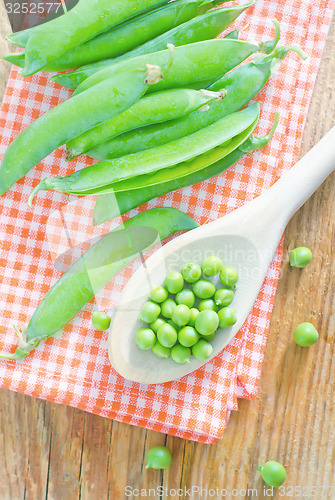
25,437
95,457
54,452
66,449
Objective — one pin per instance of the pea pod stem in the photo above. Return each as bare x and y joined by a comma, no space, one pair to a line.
279,53
270,45
95,269
24,347
260,142
112,205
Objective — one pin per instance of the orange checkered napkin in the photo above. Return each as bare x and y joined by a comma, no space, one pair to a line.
74,369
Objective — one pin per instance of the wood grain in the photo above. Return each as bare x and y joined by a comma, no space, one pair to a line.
57,453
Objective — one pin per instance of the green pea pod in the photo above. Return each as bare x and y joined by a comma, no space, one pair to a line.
48,42
112,205
195,62
204,27
89,179
241,85
18,59
189,168
157,107
75,78
126,36
95,269
69,119
233,35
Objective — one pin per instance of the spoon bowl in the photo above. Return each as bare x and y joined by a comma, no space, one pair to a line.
245,239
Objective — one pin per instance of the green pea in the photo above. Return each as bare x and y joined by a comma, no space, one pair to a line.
202,350
207,322
172,323
211,265
156,324
191,272
210,337
167,308
145,338
159,457
227,317
224,297
300,257
186,297
188,336
159,294
174,282
161,351
208,304
181,354
194,313
100,321
273,473
305,335
167,335
150,312
228,276
181,315
204,289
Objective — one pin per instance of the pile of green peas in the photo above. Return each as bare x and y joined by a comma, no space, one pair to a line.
185,313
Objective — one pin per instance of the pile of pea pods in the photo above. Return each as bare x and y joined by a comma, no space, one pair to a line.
157,97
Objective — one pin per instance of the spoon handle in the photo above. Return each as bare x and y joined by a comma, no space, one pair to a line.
290,192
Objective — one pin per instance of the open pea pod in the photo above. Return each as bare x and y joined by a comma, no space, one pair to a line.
112,205
189,168
91,179
94,270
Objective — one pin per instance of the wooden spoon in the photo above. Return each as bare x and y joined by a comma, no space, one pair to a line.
246,239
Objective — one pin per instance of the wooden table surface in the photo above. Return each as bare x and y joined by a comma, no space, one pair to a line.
55,452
